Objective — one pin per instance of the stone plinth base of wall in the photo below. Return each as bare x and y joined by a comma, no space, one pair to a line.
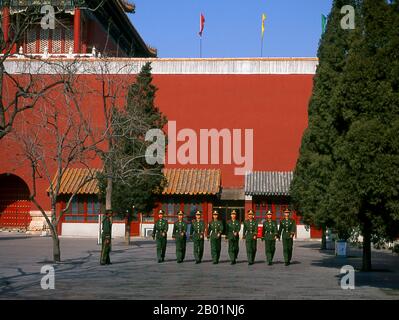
38,224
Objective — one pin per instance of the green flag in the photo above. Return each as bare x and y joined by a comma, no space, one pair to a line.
323,23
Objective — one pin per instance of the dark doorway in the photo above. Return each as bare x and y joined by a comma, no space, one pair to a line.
14,202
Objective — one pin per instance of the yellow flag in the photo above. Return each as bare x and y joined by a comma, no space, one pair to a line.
263,24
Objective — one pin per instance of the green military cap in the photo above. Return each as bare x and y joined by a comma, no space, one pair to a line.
233,212
287,211
161,211
108,211
214,213
250,212
180,213
198,213
268,212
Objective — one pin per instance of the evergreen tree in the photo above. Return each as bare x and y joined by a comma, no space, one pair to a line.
365,182
135,182
349,155
315,165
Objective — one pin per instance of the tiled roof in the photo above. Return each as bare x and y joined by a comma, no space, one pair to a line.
179,181
192,181
127,6
73,178
269,183
232,194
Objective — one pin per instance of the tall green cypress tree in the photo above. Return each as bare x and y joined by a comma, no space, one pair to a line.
366,154
135,182
315,165
353,117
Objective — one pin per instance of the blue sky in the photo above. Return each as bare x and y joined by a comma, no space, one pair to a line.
232,27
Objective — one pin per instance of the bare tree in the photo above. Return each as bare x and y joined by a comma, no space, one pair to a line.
52,140
18,94
113,94
61,132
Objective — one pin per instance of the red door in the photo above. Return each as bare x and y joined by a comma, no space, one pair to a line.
135,226
315,233
14,202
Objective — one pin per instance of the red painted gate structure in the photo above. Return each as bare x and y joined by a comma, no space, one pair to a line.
135,225
315,233
14,202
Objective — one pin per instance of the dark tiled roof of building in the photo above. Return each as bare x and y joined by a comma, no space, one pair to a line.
127,6
74,179
232,194
269,183
192,181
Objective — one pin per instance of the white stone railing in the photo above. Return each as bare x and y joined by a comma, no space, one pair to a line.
94,64
47,55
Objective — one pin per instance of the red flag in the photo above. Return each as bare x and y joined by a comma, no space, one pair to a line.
202,22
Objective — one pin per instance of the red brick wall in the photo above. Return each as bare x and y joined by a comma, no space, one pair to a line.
274,106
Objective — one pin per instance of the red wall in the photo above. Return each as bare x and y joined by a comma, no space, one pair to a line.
274,106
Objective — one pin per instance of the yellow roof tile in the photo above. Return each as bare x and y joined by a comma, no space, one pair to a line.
192,181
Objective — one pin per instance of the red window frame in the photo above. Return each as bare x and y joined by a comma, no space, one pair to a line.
82,215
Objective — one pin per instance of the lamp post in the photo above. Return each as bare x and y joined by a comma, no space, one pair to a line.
99,229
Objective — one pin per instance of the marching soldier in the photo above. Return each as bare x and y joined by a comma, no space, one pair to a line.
233,230
106,238
215,230
160,232
269,234
287,230
179,234
197,234
250,235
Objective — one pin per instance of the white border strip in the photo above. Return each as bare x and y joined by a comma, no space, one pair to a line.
164,66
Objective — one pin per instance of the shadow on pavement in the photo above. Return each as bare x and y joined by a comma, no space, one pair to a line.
3,237
316,246
385,273
9,285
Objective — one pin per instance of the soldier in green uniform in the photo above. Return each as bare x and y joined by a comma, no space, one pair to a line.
287,231
106,238
269,234
250,235
233,230
215,230
160,232
197,235
179,234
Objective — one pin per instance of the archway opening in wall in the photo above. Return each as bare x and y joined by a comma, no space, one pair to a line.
14,202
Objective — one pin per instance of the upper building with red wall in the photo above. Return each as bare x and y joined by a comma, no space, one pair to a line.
256,109
267,96
79,27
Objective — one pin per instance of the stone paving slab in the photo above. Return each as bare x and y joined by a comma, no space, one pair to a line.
135,274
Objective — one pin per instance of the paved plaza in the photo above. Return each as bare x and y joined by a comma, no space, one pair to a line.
135,274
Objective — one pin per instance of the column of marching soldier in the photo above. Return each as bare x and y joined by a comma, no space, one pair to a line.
270,234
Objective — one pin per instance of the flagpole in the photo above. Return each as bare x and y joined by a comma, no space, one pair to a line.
200,46
261,46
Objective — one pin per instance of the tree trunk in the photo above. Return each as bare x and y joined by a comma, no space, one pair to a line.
2,111
366,265
108,195
54,233
56,249
323,238
127,233
56,243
